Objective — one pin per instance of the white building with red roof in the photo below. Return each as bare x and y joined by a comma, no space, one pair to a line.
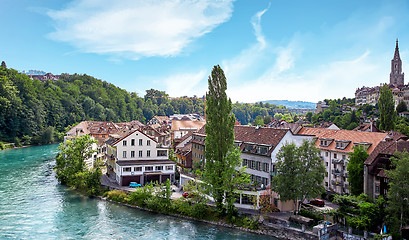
140,158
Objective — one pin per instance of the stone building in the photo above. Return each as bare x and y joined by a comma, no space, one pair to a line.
370,95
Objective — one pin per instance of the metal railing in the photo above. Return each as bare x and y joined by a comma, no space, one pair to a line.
338,172
338,161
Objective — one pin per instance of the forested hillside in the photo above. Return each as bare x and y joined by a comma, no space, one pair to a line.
29,107
33,110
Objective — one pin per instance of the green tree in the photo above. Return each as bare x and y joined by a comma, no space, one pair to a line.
398,193
312,172
71,168
359,212
258,121
222,158
301,172
267,119
308,116
387,113
3,64
402,107
48,135
356,170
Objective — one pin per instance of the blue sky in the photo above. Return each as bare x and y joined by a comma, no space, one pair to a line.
294,50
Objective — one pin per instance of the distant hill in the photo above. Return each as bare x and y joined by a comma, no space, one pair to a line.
292,104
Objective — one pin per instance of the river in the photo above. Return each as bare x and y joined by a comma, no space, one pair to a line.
33,205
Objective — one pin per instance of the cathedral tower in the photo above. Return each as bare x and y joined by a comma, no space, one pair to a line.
397,76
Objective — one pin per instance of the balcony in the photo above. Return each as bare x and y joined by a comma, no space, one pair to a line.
338,172
337,183
338,161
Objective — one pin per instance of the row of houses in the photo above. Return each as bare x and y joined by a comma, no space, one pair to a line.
259,146
134,152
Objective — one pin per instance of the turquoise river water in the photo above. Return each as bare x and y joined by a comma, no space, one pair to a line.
34,206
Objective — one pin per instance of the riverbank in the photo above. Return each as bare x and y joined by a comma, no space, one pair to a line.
217,223
13,145
267,227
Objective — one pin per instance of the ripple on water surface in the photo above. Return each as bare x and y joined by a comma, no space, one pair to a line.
34,206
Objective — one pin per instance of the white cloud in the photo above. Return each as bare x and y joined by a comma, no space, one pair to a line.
336,75
330,80
237,67
137,28
186,84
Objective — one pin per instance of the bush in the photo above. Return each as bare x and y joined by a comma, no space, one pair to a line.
117,196
242,221
309,214
200,210
139,196
2,147
17,142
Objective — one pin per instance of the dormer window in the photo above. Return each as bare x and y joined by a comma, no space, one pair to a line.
325,142
340,144
364,145
262,150
248,147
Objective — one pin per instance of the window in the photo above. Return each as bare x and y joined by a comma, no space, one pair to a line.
159,168
258,165
127,169
344,157
148,142
246,199
169,168
124,154
266,167
326,154
150,168
244,162
162,153
326,164
335,155
263,150
140,153
132,142
137,169
124,143
148,153
132,154
140,142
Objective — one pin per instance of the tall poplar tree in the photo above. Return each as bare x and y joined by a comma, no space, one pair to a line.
222,159
387,113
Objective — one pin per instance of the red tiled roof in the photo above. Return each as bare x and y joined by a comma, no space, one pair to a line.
94,128
387,148
188,125
374,138
260,135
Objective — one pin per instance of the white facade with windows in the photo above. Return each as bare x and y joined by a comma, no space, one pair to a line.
142,159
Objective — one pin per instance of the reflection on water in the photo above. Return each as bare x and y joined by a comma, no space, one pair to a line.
34,206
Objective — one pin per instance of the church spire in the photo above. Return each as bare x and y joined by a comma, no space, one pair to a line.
396,77
396,56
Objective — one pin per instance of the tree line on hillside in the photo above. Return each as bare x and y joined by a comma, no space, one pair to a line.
31,109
